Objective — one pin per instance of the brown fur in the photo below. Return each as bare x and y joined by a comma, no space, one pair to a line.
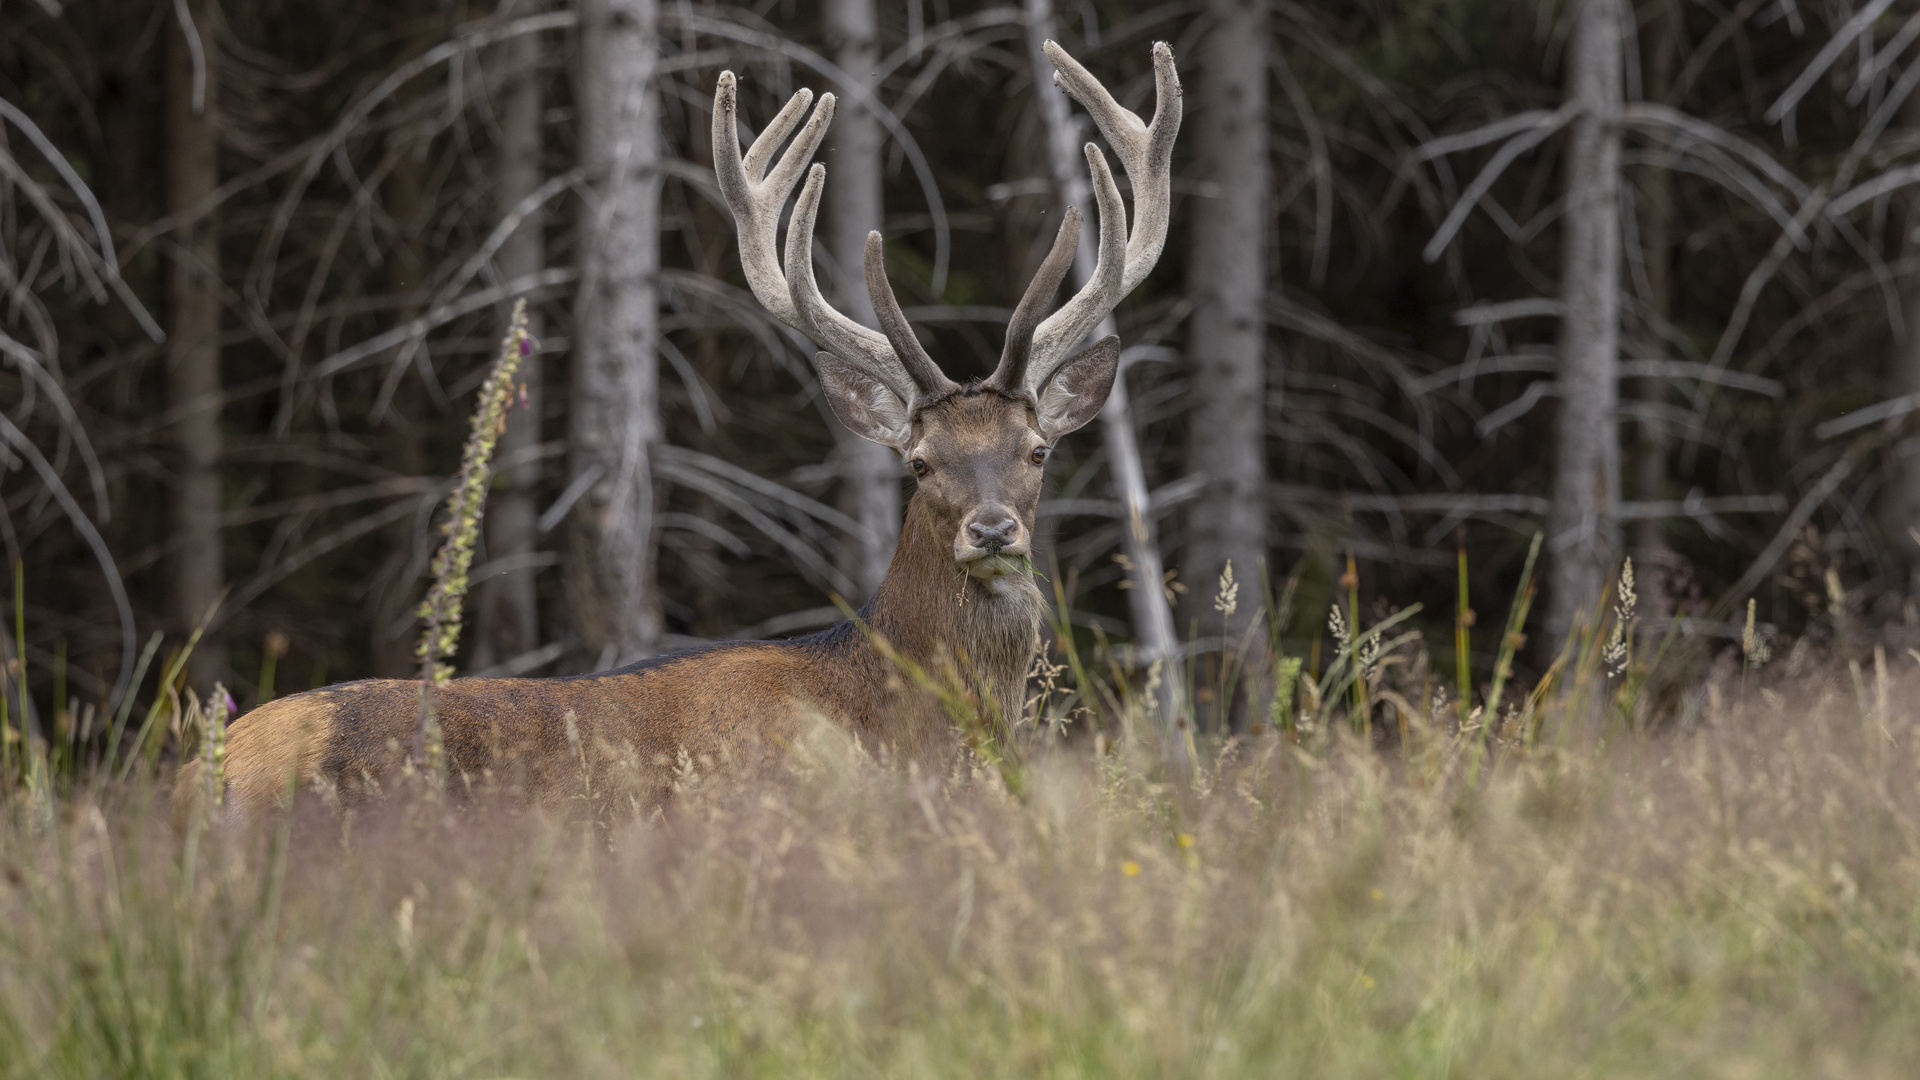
732,705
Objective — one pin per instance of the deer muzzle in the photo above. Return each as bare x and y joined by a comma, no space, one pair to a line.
991,545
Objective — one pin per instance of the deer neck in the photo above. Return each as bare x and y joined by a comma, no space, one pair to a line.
937,615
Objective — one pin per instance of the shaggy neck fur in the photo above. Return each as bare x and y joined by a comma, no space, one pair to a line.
944,619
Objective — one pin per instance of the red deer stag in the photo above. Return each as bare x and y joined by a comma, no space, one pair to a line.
958,595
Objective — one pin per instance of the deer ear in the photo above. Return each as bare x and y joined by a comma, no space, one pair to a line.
1079,388
868,407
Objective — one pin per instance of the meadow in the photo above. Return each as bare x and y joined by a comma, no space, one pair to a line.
1653,862
1737,896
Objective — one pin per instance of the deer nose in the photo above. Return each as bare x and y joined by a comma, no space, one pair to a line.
993,535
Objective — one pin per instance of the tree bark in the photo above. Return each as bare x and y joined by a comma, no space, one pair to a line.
193,341
616,420
507,621
1226,336
1582,528
870,473
1153,630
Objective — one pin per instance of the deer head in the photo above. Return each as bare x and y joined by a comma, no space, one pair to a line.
978,450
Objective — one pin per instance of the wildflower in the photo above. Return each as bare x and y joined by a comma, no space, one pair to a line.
1130,868
1185,839
1227,600
1615,656
1752,645
213,744
444,606
1369,653
1369,656
1286,675
1367,983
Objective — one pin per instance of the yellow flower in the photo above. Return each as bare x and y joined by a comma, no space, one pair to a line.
1378,895
1186,839
1130,868
1366,982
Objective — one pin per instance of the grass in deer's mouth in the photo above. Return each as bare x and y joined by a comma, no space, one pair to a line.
1737,901
988,567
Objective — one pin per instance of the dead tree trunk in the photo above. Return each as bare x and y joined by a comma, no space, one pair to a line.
615,413
193,341
1153,629
869,472
508,620
1582,530
1226,336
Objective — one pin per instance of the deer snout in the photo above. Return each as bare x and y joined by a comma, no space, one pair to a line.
994,536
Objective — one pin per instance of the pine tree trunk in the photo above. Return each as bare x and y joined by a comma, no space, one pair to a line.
615,413
193,341
1226,336
1582,530
507,621
870,473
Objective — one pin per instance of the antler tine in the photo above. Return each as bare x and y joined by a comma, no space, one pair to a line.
756,201
1146,153
1145,150
790,294
1062,331
1011,375
932,381
769,141
863,349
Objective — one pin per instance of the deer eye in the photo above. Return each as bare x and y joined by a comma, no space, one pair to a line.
919,466
1039,455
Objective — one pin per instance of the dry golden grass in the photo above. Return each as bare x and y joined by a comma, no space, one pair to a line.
1738,900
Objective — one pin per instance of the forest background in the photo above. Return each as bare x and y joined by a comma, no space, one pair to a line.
1442,274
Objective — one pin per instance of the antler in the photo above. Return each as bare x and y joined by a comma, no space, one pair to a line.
895,358
1011,375
1146,153
756,195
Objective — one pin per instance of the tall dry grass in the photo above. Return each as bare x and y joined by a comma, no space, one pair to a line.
1739,900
